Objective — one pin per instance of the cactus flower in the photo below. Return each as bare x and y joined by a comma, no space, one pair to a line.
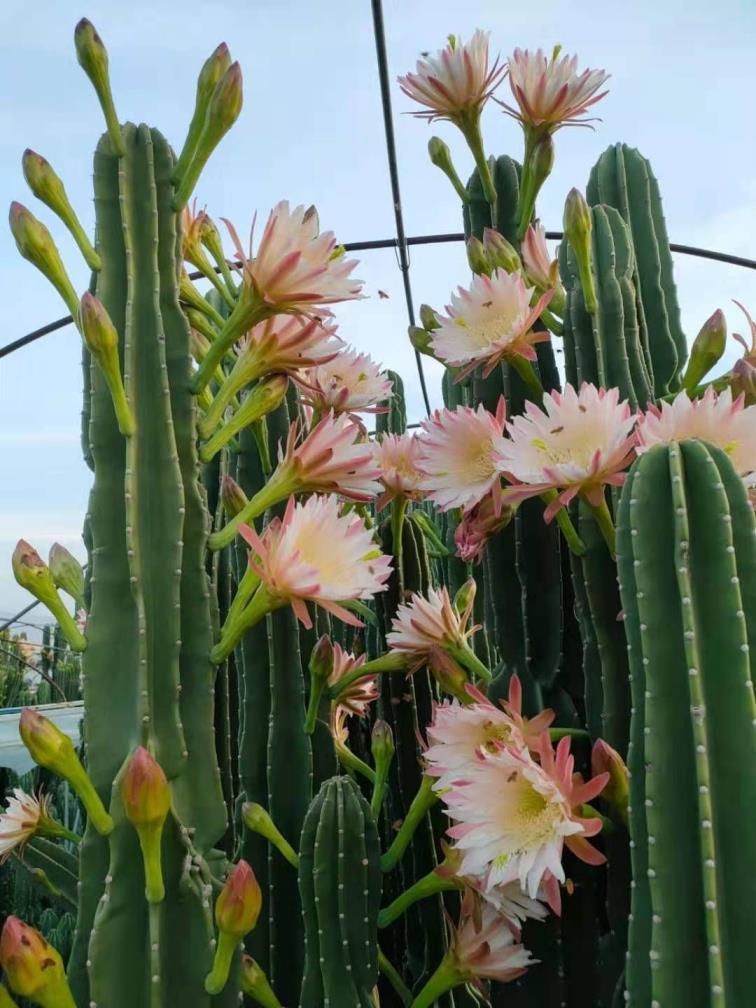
490,322
348,383
146,798
397,457
232,496
458,455
578,443
540,268
33,968
287,344
456,83
500,253
239,903
479,525
717,418
67,573
318,554
357,696
549,92
24,817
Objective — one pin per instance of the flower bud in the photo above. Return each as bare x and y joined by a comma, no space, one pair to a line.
500,254
239,903
35,244
539,161
604,759
93,59
255,984
48,188
321,660
707,349
448,673
382,742
31,572
67,573
421,340
429,318
743,380
578,224
101,338
33,968
440,156
477,258
465,598
256,819
146,798
233,497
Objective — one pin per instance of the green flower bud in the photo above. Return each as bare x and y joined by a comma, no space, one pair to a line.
236,912
440,156
212,70
101,338
604,759
233,497
421,340
93,59
256,819
707,350
499,252
382,742
35,243
32,573
254,984
67,573
578,224
146,798
477,258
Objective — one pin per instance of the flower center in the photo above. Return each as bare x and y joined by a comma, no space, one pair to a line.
490,325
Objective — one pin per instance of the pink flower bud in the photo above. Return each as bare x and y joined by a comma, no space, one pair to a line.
33,968
239,903
144,790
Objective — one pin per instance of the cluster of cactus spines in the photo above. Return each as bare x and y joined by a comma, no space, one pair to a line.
687,566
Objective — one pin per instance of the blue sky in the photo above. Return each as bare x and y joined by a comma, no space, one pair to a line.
683,79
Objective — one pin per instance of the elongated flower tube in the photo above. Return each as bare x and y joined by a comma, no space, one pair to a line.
264,397
351,382
458,451
717,418
489,322
93,59
212,71
315,553
549,91
101,338
35,243
236,912
513,816
283,344
27,816
332,458
455,85
192,228
146,798
397,457
49,747
580,442
297,270
32,967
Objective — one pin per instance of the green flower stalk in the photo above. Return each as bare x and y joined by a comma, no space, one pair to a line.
256,819
382,747
191,296
213,69
146,798
6,1001
255,984
194,253
578,224
211,239
49,747
35,244
48,188
236,912
321,669
423,801
93,59
33,968
32,573
67,573
708,348
101,338
539,160
222,112
265,397
440,156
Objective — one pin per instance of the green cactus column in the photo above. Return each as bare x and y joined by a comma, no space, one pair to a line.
687,563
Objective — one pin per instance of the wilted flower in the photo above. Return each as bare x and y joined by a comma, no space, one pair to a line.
456,83
362,692
429,621
484,946
514,816
397,457
478,525
489,322
350,382
315,553
458,451
717,418
549,92
580,443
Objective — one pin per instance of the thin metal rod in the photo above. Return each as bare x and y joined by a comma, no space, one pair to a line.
383,243
17,617
388,123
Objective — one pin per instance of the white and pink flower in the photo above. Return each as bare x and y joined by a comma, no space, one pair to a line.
356,698
577,444
717,418
478,525
489,322
287,344
514,816
550,93
429,621
297,268
458,455
350,382
318,554
22,818
484,946
397,457
456,83
540,268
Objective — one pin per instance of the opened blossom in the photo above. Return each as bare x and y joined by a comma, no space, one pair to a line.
549,92
540,267
397,457
287,344
351,382
514,816
456,83
484,946
297,268
430,621
317,554
24,816
717,418
490,322
578,443
356,698
458,453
